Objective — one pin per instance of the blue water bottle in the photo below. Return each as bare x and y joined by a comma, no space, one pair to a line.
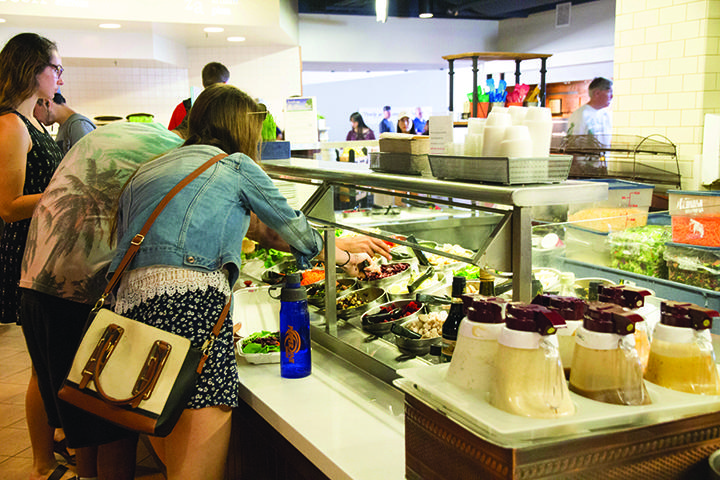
294,329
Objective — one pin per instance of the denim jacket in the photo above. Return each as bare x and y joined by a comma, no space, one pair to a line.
203,225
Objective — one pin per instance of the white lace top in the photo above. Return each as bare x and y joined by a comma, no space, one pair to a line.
137,286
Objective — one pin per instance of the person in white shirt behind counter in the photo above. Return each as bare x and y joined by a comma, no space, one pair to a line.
593,118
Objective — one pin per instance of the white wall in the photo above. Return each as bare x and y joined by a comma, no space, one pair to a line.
582,50
331,42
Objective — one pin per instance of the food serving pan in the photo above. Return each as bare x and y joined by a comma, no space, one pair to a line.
316,291
276,273
369,296
384,327
384,282
433,287
415,346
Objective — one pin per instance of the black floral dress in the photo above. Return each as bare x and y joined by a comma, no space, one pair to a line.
42,160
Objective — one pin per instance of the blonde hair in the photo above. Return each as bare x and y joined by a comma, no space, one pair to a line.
228,118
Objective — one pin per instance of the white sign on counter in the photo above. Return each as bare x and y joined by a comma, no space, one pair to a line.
441,133
301,123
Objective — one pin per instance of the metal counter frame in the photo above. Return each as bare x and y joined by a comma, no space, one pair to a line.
514,203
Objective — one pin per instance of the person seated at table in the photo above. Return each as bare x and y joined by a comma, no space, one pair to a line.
359,130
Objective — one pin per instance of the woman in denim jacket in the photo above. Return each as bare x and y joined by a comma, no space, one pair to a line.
183,274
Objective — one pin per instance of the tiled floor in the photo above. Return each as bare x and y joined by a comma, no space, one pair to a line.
15,452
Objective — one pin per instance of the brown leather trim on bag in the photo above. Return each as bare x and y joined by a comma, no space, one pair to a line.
135,420
103,350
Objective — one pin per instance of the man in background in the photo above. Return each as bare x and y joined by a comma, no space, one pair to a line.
593,118
73,126
419,122
590,127
212,73
386,125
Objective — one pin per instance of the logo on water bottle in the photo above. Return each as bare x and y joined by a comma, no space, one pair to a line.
292,343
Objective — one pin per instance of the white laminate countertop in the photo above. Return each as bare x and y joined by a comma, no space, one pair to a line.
346,422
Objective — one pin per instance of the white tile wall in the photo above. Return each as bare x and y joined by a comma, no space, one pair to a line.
271,74
120,91
666,54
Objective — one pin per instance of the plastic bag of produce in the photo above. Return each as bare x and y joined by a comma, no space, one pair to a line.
640,250
696,266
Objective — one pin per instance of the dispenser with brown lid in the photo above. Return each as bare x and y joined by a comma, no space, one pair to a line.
572,309
529,378
632,298
606,366
473,361
681,353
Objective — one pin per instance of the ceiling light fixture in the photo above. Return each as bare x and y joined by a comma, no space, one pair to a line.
2,20
425,9
381,10
109,25
213,29
235,39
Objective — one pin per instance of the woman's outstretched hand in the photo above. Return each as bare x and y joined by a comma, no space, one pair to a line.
354,266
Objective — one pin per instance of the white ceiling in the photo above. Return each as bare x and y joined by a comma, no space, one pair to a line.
189,35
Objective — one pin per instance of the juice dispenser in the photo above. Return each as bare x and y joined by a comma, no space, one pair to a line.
573,311
606,366
632,298
681,353
529,378
473,362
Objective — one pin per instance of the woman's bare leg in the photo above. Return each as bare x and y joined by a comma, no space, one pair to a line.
198,445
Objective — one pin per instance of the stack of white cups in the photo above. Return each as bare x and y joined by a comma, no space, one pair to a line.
494,133
474,137
538,120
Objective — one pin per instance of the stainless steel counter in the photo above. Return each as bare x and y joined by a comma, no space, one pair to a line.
358,175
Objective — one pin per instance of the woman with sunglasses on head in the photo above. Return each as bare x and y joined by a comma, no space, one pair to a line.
31,69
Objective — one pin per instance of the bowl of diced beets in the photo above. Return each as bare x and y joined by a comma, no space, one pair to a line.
387,274
379,320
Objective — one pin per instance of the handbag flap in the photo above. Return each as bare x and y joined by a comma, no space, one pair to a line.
128,358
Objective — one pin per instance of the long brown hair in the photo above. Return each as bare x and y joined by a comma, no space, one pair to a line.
23,58
228,118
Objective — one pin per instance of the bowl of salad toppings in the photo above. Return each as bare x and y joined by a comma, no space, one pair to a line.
384,274
427,326
358,302
316,291
399,290
260,347
379,320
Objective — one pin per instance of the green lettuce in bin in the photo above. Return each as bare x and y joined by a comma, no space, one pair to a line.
640,250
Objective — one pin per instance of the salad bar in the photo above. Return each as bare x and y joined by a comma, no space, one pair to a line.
380,324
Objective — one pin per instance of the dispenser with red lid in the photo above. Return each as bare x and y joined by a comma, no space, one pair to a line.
606,366
632,298
473,361
572,309
529,380
681,353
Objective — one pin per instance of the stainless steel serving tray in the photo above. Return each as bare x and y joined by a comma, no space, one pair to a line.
504,170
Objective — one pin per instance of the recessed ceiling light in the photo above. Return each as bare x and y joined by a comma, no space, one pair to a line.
109,25
235,39
213,29
2,20
426,15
